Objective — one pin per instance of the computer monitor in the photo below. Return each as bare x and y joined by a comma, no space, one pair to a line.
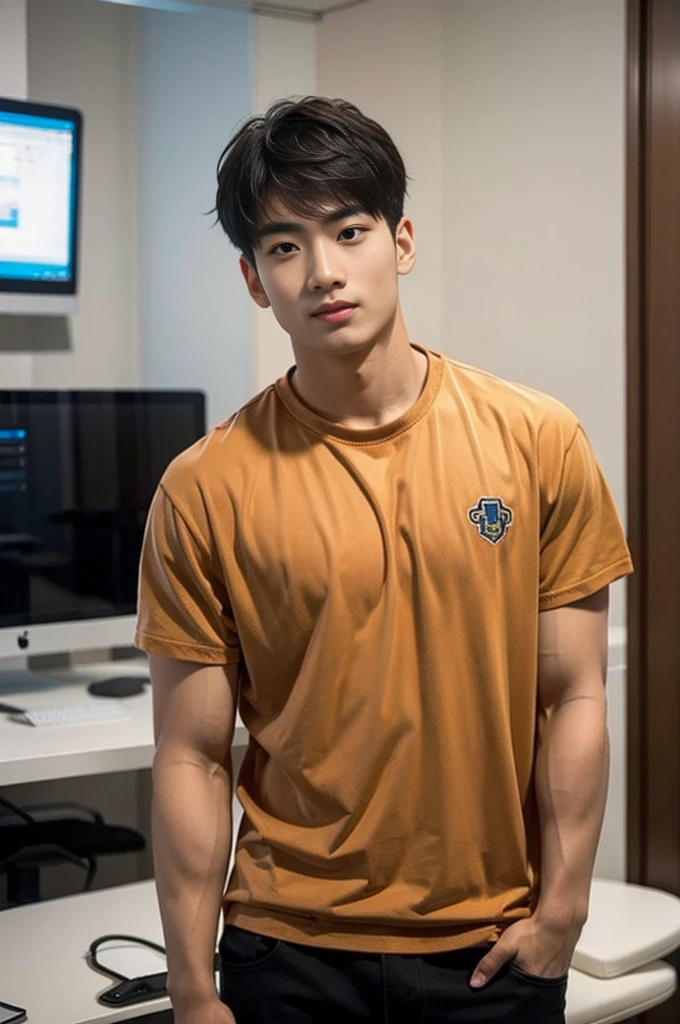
78,470
40,147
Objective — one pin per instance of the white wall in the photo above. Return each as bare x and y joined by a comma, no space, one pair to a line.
13,69
195,86
15,371
81,53
611,852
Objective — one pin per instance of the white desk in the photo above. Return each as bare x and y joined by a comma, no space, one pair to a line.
29,754
43,948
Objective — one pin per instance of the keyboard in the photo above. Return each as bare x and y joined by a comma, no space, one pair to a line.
73,714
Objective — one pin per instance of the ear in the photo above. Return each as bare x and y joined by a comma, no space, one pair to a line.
255,288
406,246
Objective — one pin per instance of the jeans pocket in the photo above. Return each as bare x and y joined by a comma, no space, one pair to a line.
242,950
538,979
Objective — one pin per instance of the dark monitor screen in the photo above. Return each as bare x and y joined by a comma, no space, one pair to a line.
78,470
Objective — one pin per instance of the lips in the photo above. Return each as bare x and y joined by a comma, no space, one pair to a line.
335,316
335,308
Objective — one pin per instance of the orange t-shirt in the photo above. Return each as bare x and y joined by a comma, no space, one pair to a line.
381,589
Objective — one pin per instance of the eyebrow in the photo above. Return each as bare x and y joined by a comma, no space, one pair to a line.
276,227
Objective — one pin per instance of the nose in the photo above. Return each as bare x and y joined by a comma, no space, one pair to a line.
325,268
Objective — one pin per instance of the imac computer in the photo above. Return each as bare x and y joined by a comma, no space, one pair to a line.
78,470
40,154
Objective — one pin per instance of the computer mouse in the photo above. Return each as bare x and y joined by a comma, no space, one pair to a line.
118,686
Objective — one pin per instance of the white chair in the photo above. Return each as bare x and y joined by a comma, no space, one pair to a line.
616,971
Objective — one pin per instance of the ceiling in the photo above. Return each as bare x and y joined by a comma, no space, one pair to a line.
306,6
311,9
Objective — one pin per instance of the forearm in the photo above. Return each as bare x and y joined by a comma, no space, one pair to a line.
571,776
191,828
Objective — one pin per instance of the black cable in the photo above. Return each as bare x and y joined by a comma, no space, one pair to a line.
94,946
128,991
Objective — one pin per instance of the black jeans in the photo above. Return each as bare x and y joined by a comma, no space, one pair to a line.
269,981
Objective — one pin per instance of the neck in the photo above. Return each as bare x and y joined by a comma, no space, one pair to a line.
362,389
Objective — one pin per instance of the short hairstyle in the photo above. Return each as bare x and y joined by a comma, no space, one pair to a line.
305,152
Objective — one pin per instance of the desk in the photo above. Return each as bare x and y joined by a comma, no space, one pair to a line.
43,966
29,754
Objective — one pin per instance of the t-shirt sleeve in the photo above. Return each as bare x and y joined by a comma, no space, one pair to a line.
583,547
183,609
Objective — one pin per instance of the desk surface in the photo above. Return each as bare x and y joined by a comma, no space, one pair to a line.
30,754
43,966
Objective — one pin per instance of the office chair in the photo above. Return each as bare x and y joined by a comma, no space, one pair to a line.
40,834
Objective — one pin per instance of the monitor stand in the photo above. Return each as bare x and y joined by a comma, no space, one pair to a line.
16,678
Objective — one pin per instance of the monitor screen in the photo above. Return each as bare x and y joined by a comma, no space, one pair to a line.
78,470
39,178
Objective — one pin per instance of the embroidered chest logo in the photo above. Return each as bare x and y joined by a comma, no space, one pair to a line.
492,518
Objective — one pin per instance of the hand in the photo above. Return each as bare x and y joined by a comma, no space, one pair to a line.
212,1012
540,946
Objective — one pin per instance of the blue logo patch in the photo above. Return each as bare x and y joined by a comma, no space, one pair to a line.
492,518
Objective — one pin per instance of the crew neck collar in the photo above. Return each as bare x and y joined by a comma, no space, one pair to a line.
371,435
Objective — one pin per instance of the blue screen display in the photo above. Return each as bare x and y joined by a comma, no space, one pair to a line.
38,193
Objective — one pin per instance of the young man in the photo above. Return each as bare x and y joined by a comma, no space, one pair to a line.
396,565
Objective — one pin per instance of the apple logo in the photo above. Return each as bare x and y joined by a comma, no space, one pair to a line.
23,640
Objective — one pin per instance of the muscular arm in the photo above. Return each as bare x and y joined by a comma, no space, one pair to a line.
194,713
572,761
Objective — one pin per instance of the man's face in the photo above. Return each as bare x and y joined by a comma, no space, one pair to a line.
352,258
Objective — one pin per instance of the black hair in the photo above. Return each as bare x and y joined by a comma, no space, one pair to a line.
305,152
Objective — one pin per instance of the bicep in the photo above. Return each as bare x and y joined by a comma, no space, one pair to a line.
572,649
194,708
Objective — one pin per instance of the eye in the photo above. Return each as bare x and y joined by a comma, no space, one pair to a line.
279,246
343,232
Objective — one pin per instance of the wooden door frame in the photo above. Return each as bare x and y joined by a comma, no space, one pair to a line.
636,755
653,452
653,439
